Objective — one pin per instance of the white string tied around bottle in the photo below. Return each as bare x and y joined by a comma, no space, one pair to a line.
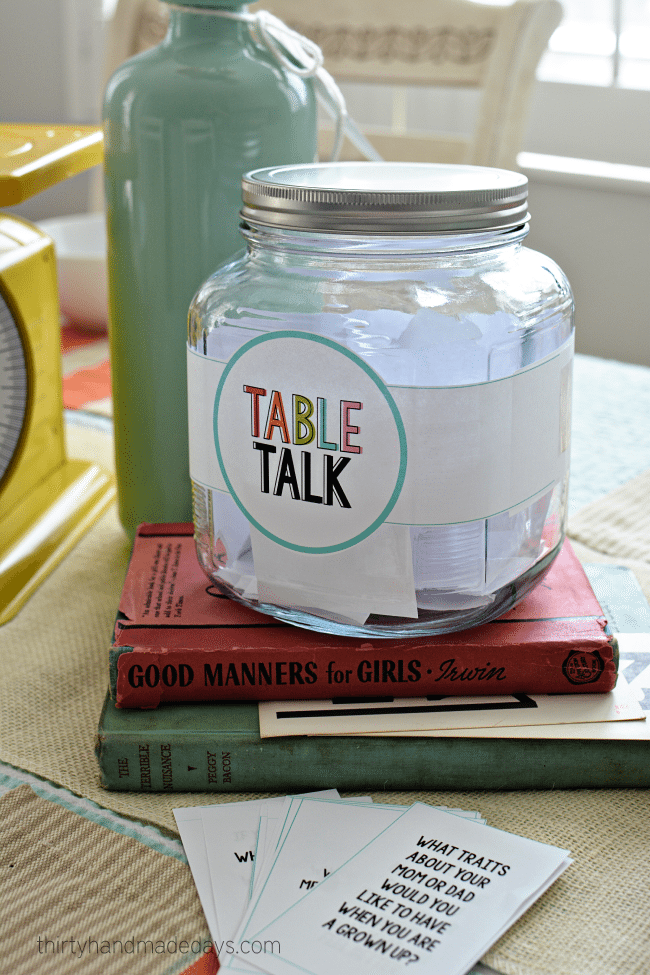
300,56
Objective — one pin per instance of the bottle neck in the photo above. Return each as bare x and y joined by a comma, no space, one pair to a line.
206,22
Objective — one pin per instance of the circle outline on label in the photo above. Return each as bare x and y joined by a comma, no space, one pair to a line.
385,392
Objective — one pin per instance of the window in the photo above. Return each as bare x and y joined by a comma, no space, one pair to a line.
593,96
601,42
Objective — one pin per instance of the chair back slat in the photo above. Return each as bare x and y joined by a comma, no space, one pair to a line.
418,42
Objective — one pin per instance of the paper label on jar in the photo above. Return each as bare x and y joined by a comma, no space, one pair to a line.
318,451
308,440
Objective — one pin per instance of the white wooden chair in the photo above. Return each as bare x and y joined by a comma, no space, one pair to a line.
454,43
135,26
450,43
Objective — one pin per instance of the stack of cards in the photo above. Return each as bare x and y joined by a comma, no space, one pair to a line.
323,885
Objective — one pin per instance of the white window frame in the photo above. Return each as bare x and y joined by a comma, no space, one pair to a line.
83,58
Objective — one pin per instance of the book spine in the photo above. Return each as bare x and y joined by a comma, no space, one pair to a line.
153,763
144,678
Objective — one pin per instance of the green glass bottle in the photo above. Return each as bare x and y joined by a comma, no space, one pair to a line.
183,122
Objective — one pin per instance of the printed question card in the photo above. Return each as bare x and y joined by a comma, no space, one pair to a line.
316,837
190,827
319,831
429,893
219,842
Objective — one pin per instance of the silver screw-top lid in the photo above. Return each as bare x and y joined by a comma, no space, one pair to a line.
385,198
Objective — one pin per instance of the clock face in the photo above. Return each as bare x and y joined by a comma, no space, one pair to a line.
13,387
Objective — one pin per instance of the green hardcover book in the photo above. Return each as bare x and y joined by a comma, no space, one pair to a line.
205,747
217,748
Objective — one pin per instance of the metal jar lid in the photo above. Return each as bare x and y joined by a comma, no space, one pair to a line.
385,198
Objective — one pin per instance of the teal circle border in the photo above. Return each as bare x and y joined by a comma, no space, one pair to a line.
383,389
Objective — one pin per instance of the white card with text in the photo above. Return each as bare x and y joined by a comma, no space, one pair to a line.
190,826
431,892
320,837
219,841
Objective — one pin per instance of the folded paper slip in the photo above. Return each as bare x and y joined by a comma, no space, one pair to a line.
177,638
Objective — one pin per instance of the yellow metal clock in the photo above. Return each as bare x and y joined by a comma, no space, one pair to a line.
47,501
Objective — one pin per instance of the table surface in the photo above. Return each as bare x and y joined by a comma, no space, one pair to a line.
611,427
610,446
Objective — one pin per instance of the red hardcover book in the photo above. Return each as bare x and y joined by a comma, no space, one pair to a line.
177,638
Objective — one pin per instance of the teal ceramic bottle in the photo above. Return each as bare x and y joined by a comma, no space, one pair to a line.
183,122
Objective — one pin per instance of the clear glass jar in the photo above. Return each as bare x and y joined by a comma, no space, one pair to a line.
379,400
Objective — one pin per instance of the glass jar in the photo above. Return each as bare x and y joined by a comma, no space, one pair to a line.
379,400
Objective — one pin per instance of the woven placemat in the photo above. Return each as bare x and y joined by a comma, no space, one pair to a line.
617,529
79,897
593,921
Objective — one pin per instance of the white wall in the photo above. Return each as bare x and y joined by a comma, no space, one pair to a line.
600,237
50,70
590,122
594,220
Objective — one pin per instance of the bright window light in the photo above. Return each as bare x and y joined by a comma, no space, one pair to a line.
599,42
